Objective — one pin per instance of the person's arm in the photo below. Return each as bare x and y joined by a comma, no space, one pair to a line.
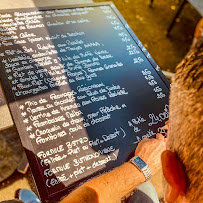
112,186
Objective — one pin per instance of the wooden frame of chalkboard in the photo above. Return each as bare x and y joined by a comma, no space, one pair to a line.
55,196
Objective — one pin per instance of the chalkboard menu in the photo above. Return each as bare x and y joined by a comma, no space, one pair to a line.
82,89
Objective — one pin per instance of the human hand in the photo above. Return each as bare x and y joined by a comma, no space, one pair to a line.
150,151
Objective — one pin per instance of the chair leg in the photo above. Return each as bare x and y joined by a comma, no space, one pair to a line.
151,3
176,16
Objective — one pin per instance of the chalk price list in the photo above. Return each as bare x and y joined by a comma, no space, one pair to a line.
54,73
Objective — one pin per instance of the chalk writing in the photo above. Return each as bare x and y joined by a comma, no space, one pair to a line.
161,117
78,92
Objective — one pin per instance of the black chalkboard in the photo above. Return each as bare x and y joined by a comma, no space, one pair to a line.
82,89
